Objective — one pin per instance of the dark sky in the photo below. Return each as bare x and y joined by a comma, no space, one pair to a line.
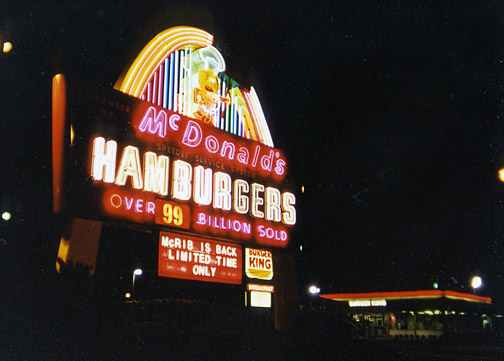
390,113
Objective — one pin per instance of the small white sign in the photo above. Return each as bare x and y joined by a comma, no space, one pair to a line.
367,303
260,299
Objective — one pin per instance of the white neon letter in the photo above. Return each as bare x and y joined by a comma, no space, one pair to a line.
156,173
240,201
182,175
256,200
104,156
289,215
202,185
222,191
130,167
272,207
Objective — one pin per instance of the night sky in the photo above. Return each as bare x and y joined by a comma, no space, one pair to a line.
391,115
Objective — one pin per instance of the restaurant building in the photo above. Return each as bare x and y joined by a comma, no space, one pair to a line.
419,314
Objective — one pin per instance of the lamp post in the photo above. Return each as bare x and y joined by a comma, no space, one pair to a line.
137,272
476,282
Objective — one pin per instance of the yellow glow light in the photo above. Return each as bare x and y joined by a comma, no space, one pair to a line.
501,175
127,295
7,46
62,252
58,128
72,134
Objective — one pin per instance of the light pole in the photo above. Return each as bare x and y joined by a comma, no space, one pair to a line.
476,282
137,272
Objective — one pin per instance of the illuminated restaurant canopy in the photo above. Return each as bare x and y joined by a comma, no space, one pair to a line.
407,295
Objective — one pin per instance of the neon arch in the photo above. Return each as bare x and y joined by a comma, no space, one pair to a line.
162,74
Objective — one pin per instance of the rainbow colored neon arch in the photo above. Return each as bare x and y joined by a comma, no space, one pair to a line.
167,72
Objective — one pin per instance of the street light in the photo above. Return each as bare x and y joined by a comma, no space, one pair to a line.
476,282
313,290
501,174
7,46
6,216
137,272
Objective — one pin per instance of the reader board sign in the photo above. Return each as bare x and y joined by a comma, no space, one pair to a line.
195,258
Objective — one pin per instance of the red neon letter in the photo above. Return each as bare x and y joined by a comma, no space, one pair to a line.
174,118
225,146
192,134
211,144
154,124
